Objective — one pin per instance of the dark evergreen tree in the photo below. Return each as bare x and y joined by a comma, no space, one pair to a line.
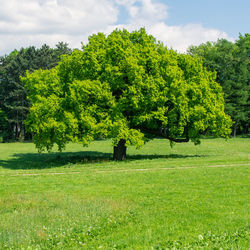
242,66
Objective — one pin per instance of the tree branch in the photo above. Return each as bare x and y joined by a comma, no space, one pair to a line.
159,133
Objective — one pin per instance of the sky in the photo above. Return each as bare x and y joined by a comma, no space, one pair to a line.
177,23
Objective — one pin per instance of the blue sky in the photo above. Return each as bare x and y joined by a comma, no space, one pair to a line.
177,23
231,16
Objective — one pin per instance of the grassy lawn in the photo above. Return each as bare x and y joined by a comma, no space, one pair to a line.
161,197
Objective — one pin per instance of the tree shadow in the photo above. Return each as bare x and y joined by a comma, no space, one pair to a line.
169,156
60,159
51,160
247,136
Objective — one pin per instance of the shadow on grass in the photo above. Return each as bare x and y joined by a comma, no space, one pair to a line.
50,160
245,136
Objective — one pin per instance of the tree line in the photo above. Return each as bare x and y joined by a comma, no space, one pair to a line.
228,60
14,105
231,62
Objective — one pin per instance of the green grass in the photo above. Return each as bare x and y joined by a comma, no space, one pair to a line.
188,196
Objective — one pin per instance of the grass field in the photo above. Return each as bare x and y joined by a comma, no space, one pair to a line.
188,196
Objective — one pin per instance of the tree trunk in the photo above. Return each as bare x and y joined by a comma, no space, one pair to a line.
16,132
120,151
235,129
22,133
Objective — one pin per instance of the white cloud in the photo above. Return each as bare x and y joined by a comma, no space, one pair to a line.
34,22
57,16
181,37
144,11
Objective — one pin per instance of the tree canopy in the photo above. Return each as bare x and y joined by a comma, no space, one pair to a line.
128,87
231,62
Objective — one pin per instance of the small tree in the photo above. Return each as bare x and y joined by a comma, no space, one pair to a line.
124,86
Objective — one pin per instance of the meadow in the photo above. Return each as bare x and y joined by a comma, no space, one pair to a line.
160,197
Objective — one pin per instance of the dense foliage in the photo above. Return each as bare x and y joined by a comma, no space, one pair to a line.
124,86
13,101
231,61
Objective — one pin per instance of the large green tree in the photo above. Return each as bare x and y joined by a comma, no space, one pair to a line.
128,87
13,99
231,61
